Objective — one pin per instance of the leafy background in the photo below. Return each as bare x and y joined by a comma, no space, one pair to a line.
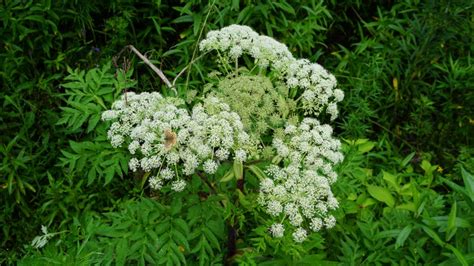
406,187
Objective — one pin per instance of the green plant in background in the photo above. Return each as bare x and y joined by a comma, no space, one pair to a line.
87,96
417,59
401,215
405,70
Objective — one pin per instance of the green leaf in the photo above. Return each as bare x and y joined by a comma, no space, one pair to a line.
453,261
458,255
179,238
451,231
391,180
109,174
257,171
243,200
381,194
176,205
365,146
211,237
468,183
10,183
91,175
121,251
456,187
93,122
407,159
433,235
228,176
182,225
238,170
442,221
388,233
410,206
403,236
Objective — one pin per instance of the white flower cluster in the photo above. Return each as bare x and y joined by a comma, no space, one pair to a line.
235,40
300,191
160,136
173,142
318,85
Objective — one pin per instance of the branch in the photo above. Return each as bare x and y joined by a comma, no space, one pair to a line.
153,67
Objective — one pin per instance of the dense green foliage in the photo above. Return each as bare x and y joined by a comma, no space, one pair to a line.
406,196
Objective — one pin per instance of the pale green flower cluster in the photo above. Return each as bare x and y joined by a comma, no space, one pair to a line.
260,105
163,136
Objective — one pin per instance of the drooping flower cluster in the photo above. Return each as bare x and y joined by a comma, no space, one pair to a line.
300,191
317,85
162,136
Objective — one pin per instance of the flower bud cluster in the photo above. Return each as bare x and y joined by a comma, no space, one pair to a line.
162,136
256,100
300,191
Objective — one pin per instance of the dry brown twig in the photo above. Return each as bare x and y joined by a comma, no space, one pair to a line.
153,67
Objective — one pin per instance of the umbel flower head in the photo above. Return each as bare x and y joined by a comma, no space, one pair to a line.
260,105
300,190
316,85
297,190
249,112
162,136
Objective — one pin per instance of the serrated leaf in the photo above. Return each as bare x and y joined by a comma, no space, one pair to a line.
94,119
151,251
198,246
162,227
402,237
182,225
211,237
381,194
180,239
367,202
443,222
121,251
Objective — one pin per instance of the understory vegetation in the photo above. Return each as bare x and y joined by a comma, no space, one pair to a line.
251,155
